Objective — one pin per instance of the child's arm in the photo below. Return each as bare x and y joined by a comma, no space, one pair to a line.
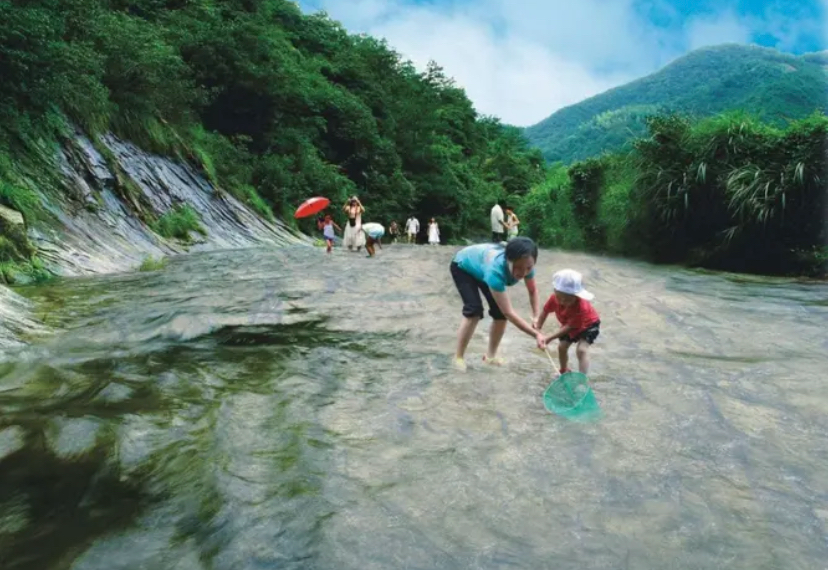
559,333
538,324
550,306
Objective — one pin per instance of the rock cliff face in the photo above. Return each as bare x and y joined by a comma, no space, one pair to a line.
98,223
101,228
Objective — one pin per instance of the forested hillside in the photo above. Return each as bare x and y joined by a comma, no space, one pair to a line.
772,86
273,105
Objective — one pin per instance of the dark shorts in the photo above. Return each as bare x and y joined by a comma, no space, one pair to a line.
588,335
470,289
497,237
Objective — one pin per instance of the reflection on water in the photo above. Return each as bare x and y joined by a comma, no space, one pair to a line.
288,409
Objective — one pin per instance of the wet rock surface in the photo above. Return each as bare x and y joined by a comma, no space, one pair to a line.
100,227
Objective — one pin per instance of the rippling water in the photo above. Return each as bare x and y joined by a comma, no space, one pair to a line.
263,409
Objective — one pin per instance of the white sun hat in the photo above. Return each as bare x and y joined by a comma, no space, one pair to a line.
569,281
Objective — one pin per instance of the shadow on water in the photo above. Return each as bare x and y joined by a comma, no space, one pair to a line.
53,507
287,409
72,477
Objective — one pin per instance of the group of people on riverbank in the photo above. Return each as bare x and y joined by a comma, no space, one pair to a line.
504,223
412,230
358,235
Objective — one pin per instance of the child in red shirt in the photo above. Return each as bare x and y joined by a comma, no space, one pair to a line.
579,320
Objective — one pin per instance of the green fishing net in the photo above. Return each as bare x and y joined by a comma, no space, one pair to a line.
570,396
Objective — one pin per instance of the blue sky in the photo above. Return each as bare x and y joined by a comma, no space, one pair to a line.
523,59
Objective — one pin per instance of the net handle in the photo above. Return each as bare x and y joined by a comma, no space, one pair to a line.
558,372
551,361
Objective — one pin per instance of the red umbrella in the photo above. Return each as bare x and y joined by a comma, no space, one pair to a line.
311,206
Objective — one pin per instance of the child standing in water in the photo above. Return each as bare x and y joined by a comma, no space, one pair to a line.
579,320
328,231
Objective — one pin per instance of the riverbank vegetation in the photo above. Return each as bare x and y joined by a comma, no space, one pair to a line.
727,192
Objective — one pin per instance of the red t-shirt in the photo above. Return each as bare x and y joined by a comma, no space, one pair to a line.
580,315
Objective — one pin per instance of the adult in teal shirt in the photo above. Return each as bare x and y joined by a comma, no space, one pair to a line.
489,269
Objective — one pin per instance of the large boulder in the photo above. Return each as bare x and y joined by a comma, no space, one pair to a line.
14,243
11,217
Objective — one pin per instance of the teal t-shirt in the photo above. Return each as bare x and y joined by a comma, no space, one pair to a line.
487,263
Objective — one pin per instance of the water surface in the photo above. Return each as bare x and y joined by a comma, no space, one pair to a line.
280,408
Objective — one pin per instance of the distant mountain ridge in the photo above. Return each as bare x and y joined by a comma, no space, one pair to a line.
772,85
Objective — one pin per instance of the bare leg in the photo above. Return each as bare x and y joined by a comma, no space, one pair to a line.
464,335
563,353
583,357
495,336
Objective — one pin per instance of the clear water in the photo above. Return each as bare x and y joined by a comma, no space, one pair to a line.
263,409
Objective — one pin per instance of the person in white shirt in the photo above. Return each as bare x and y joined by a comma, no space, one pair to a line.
412,228
498,224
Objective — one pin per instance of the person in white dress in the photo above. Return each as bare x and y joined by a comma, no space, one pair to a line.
512,223
433,232
353,235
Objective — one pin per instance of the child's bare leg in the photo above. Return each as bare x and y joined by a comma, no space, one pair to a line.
583,356
563,353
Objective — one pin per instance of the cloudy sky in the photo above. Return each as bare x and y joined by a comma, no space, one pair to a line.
523,59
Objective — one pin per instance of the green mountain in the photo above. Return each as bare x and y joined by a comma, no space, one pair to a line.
773,86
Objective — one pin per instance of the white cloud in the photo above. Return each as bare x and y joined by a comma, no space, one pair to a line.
521,60
717,29
789,27
517,79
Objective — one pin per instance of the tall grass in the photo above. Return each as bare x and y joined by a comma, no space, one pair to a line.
178,223
729,192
